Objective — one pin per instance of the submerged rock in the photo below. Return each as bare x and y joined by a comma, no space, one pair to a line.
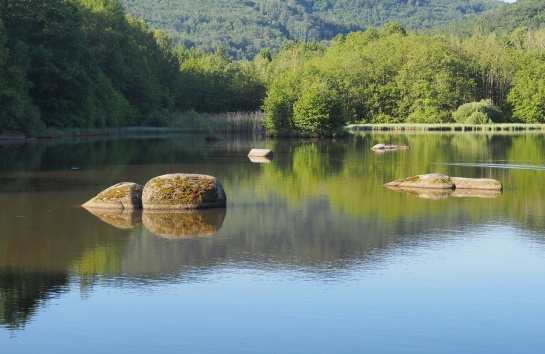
121,196
477,183
183,191
389,147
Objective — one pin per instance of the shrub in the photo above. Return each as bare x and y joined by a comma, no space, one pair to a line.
482,112
318,111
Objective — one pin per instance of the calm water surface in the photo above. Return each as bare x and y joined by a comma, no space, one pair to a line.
311,255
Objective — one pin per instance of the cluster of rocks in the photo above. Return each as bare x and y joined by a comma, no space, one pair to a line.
437,185
166,205
176,191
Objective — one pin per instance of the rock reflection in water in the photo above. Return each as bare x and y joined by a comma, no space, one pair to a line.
184,223
438,194
122,219
260,159
168,224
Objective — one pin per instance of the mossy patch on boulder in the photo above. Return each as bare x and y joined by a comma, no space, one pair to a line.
121,196
178,191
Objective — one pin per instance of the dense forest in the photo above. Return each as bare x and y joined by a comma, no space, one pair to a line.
243,27
86,63
522,13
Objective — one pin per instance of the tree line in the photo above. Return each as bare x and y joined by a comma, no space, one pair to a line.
85,63
390,76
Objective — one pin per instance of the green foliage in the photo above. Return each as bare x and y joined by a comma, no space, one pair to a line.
483,112
506,19
319,110
527,97
243,28
216,83
368,77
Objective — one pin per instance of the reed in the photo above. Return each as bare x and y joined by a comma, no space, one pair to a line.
231,122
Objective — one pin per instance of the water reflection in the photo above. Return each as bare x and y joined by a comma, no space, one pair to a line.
21,294
184,223
122,219
439,194
319,207
173,224
260,159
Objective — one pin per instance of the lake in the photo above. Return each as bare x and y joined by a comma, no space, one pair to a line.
311,255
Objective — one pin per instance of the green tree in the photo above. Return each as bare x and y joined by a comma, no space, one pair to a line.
318,110
483,112
527,97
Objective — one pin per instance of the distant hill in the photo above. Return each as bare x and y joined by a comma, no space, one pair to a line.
522,13
243,27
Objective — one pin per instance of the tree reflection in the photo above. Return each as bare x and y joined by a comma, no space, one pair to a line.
21,294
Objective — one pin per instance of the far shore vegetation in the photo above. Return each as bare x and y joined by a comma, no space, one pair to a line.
87,66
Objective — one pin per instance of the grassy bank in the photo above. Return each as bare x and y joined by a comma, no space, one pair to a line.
447,127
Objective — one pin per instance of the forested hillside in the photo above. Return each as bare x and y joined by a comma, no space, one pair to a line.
520,14
243,27
85,63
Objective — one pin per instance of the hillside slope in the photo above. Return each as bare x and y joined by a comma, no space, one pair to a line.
243,27
522,13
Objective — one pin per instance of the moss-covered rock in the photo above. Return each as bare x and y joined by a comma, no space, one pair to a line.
462,186
431,180
179,191
121,196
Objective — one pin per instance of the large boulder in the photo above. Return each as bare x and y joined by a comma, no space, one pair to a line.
121,196
178,191
431,180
